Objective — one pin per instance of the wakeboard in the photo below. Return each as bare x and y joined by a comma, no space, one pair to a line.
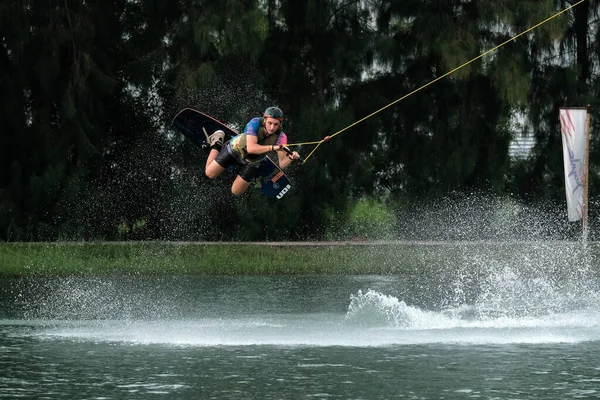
197,126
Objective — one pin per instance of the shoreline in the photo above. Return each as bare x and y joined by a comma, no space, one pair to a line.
25,259
357,242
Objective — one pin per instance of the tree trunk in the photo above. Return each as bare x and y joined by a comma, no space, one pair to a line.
581,32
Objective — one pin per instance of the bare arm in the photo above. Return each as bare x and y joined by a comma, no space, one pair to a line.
252,146
284,159
286,156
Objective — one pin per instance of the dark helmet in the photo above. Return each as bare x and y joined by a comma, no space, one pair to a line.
274,112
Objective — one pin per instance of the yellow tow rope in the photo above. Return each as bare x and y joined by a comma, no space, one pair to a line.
326,138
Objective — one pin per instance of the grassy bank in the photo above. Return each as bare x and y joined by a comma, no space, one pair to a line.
28,259
190,258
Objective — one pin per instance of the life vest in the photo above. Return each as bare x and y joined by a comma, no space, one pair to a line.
262,140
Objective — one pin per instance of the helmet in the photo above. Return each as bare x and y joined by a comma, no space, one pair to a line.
274,112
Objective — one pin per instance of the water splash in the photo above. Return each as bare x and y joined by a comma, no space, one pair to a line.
534,287
376,309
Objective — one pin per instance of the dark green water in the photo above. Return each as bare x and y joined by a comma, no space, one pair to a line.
498,335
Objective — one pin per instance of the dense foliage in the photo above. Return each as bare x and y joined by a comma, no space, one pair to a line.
89,90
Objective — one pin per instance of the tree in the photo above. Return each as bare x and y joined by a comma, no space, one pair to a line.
58,109
455,134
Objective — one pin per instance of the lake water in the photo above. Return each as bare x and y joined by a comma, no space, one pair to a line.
505,332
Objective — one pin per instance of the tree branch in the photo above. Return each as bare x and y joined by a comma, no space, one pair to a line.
339,9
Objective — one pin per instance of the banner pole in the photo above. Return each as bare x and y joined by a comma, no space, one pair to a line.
586,179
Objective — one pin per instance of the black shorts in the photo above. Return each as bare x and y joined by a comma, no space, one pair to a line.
226,159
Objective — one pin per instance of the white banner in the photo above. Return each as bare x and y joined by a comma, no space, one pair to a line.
573,126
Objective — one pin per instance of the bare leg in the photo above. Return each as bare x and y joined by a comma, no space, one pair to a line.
213,169
239,186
